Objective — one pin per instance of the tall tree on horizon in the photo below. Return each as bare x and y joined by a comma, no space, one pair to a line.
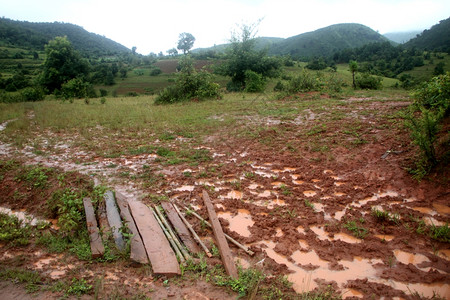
185,42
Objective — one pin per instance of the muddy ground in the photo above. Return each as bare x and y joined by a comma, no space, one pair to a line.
299,193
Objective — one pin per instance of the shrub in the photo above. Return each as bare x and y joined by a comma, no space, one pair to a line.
103,93
74,88
435,93
155,71
189,85
32,94
366,81
304,82
254,82
433,105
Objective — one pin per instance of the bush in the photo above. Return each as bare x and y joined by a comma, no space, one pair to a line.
432,102
103,93
366,81
155,71
190,85
74,88
304,82
435,93
254,82
32,94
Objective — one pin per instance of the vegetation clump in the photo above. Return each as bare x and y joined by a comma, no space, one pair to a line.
190,85
425,118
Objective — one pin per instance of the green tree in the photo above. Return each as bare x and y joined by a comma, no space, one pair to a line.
353,65
62,63
242,57
185,42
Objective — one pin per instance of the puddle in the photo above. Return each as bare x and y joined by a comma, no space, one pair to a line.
430,221
245,264
346,238
409,258
385,237
319,207
303,243
238,223
298,182
445,254
309,193
339,194
323,236
265,194
185,188
236,195
279,232
56,274
301,229
270,204
425,210
442,209
339,183
44,262
22,216
303,280
352,293
263,174
316,180
277,184
253,186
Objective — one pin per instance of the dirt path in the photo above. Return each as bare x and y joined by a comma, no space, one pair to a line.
308,214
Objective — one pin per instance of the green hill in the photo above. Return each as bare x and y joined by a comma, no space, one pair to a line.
326,41
34,36
437,38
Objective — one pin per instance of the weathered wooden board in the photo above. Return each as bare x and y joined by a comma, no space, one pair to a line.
182,230
158,249
137,251
222,244
97,248
112,213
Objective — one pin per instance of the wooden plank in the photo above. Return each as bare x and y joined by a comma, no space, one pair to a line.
158,249
222,244
182,230
137,251
97,248
112,213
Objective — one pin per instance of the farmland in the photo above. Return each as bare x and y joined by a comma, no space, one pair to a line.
316,184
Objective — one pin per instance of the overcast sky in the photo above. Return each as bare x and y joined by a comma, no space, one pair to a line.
154,26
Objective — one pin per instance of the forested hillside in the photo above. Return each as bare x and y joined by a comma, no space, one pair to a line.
34,36
437,38
326,41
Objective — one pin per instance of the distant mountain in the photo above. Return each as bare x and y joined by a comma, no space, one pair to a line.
401,37
437,38
322,42
35,36
327,40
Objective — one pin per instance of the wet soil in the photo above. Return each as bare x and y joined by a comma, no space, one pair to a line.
302,199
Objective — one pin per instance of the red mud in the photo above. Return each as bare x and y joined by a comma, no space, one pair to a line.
293,208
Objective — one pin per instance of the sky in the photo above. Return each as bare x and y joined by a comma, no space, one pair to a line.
154,26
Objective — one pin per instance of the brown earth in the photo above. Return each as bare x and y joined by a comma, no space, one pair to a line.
291,194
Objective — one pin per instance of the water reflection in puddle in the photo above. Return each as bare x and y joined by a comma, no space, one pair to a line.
238,223
185,188
385,237
303,280
309,193
409,258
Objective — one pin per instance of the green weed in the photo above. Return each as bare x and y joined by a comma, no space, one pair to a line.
359,232
13,231
16,275
440,233
79,287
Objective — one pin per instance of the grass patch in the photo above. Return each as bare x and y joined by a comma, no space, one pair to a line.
357,231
